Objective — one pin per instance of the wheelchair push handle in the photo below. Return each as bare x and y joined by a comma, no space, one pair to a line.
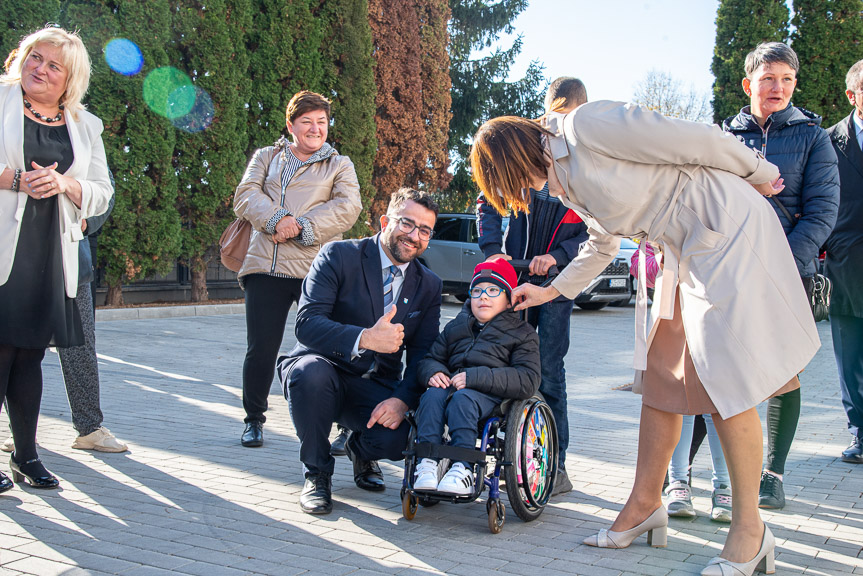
523,267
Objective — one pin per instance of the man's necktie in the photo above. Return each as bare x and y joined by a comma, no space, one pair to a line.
392,271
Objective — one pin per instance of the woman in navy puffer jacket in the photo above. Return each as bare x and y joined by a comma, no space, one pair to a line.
792,139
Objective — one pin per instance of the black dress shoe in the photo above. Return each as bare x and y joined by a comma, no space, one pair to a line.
367,473
854,452
35,473
5,483
337,448
253,435
317,494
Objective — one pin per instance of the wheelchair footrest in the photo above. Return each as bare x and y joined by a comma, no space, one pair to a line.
454,453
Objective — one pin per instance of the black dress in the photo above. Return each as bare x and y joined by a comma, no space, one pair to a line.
34,309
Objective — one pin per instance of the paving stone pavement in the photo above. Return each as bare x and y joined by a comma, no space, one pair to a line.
188,499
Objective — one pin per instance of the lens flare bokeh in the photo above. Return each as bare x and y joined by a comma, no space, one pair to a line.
169,92
200,116
124,57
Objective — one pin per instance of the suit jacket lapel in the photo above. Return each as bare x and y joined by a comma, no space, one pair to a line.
75,135
845,136
373,275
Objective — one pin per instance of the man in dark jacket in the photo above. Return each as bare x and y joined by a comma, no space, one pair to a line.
550,235
845,263
792,139
365,305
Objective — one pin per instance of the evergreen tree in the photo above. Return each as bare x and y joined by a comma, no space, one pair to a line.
21,17
479,87
437,97
409,97
142,237
828,40
350,76
210,155
740,26
284,48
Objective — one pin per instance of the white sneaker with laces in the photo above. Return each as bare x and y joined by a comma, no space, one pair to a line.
100,440
8,445
426,477
721,511
679,501
458,480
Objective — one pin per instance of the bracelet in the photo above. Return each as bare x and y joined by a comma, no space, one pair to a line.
16,180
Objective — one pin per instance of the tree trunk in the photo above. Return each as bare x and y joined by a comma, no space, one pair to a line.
198,271
114,297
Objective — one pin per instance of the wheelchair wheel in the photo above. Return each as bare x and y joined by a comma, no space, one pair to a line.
496,515
531,446
409,505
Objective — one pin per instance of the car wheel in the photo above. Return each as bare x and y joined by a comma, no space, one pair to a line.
592,305
619,303
461,297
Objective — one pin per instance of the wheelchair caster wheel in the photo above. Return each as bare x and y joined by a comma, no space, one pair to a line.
496,516
409,505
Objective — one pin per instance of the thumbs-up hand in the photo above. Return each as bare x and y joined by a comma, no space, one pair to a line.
384,336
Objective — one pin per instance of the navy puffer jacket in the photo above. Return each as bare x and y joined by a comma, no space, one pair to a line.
794,141
501,360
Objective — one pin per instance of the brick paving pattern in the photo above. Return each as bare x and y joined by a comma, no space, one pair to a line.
188,499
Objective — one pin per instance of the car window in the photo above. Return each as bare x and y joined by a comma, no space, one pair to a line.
447,228
473,233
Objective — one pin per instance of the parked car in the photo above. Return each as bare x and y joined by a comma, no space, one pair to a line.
453,253
627,249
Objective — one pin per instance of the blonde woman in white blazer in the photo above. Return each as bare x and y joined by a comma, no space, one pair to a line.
53,175
730,324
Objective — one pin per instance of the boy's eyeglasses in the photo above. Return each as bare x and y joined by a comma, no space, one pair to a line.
490,291
407,226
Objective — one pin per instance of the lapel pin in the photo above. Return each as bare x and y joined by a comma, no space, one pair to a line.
405,301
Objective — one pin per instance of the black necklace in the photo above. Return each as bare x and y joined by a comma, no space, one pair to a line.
38,116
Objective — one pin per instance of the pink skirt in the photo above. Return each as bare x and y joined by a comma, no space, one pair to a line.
670,382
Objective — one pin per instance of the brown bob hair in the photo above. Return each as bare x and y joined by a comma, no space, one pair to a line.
304,102
507,154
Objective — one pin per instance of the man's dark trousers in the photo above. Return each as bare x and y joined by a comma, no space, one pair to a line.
320,393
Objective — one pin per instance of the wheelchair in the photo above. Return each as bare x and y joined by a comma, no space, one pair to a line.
521,437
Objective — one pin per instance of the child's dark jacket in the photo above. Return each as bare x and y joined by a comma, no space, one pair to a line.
502,360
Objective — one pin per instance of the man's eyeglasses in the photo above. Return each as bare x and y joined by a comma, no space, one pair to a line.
407,226
490,291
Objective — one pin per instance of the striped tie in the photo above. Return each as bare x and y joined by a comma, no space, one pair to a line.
391,273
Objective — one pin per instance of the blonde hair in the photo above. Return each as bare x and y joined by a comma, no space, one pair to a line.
507,154
75,60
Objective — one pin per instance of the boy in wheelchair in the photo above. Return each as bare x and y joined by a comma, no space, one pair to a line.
483,356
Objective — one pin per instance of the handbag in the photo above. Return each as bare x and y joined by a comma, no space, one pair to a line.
234,241
822,286
234,244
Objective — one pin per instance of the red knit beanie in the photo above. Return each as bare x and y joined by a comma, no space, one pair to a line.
499,272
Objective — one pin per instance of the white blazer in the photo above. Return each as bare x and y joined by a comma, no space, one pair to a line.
89,168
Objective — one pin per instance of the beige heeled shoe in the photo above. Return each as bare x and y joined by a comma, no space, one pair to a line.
656,527
763,561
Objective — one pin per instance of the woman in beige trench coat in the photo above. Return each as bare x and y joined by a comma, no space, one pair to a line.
728,290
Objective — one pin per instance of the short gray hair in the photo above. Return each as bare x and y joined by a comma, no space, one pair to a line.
75,59
769,53
854,78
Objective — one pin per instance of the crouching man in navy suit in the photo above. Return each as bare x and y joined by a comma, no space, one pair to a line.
363,303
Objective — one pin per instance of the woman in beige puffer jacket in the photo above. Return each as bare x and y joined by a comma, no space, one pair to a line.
298,196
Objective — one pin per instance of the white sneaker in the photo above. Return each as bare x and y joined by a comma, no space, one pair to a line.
721,511
458,480
426,477
8,445
679,502
100,440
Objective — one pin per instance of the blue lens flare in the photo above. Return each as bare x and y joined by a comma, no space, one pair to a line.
124,57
